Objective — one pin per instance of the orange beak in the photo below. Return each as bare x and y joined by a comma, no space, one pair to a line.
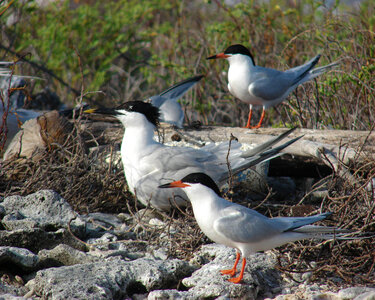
220,55
174,184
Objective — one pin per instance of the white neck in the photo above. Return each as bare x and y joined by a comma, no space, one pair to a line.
201,198
138,135
240,76
240,60
207,208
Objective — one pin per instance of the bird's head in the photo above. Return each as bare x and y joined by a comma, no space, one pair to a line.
234,52
193,180
130,112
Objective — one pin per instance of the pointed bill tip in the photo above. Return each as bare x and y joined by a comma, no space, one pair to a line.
220,55
174,184
103,111
90,111
212,57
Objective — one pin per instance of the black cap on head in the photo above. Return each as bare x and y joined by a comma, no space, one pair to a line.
202,179
147,109
239,49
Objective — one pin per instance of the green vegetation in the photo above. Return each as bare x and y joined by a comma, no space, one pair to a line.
134,49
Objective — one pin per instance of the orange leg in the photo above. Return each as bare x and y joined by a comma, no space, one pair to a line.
232,271
260,121
249,118
239,278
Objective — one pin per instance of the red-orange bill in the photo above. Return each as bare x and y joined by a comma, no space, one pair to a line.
220,55
174,184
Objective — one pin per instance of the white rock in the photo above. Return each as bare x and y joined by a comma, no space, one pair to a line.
353,292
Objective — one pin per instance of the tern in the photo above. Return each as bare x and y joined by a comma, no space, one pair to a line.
170,110
257,85
242,228
148,163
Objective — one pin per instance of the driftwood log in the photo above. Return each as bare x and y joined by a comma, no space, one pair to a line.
334,148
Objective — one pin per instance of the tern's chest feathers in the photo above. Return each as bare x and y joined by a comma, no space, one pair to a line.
206,213
239,79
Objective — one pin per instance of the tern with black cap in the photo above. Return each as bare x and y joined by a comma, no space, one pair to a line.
148,163
267,87
242,228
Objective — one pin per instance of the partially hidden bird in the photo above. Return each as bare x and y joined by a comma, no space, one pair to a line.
147,163
12,94
167,101
242,228
256,85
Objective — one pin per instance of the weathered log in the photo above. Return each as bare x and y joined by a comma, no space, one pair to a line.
334,148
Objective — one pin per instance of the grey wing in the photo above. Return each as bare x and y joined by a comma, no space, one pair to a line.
221,150
294,223
179,89
298,73
244,225
171,112
157,101
165,164
175,92
146,189
241,160
270,84
238,161
173,163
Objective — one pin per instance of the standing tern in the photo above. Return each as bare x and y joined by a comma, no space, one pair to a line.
148,163
170,110
242,228
256,85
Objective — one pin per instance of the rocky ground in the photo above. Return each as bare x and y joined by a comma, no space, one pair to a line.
49,251
86,237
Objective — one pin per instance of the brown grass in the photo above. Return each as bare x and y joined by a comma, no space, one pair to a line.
84,180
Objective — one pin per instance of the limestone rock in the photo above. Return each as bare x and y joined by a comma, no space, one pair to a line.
109,279
36,239
207,282
354,292
42,209
20,257
366,296
63,255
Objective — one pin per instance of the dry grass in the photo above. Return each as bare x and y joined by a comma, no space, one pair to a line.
339,263
83,179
